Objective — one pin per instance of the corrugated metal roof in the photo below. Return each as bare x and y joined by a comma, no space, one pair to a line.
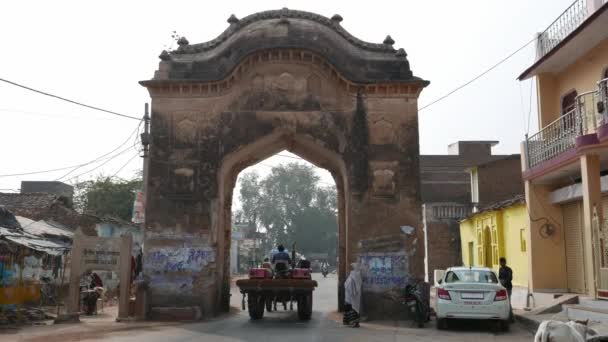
37,243
43,236
44,228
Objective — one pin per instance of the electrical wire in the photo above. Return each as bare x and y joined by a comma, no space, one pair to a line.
68,100
38,172
530,106
49,115
521,104
67,167
127,163
102,156
292,157
478,76
102,164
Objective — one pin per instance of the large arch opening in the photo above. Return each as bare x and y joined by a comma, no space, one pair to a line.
309,151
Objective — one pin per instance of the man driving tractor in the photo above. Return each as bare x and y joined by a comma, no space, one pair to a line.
281,256
286,284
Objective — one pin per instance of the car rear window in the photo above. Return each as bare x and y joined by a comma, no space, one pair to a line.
471,276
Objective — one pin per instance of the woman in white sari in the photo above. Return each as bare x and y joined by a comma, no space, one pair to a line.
352,296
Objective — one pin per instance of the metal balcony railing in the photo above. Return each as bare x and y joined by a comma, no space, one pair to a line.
602,104
451,211
560,135
556,138
567,22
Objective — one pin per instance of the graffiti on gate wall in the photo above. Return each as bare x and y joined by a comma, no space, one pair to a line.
383,271
178,259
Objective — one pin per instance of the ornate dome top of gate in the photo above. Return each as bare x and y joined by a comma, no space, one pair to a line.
356,59
284,14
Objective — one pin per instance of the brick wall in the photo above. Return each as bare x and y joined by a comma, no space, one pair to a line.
442,232
445,181
500,180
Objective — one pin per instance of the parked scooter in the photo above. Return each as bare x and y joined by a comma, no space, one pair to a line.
417,307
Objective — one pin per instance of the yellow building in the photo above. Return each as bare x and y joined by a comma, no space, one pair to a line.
565,163
499,230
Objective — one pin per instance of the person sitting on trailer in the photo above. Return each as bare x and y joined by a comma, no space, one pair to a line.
267,264
303,263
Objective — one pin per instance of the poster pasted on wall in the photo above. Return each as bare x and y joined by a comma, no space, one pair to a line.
178,259
383,271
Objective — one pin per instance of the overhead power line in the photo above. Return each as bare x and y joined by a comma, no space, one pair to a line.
38,172
102,164
50,115
70,101
106,154
127,163
478,76
75,167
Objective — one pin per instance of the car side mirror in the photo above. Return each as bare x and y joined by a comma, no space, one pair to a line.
439,281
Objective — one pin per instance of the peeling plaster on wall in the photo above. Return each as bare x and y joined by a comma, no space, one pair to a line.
183,285
179,259
184,171
384,271
170,235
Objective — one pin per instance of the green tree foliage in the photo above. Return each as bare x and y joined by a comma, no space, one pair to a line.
107,196
290,206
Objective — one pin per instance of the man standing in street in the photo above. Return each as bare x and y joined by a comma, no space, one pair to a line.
505,275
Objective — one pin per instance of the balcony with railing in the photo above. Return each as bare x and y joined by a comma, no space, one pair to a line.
567,22
588,118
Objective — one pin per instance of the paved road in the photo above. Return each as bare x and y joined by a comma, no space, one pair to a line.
281,326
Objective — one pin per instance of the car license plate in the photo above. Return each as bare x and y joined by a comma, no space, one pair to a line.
470,302
411,303
471,295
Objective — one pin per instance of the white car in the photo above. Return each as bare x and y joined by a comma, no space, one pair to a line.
470,293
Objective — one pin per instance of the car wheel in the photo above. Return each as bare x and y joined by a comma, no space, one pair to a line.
442,323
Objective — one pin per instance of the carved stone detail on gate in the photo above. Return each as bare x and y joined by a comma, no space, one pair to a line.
383,178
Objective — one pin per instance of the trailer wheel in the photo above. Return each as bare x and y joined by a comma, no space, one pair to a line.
255,306
305,307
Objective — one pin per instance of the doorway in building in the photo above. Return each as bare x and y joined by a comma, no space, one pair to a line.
573,233
487,247
471,251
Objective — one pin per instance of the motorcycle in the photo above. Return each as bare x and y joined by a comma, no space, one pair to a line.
324,271
416,305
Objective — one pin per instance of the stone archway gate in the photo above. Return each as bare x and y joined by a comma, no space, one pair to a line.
277,80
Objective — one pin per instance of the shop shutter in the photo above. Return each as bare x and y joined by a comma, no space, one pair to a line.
573,234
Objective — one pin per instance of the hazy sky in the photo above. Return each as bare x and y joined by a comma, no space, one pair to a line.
96,52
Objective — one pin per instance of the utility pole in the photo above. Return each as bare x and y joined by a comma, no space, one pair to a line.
145,141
